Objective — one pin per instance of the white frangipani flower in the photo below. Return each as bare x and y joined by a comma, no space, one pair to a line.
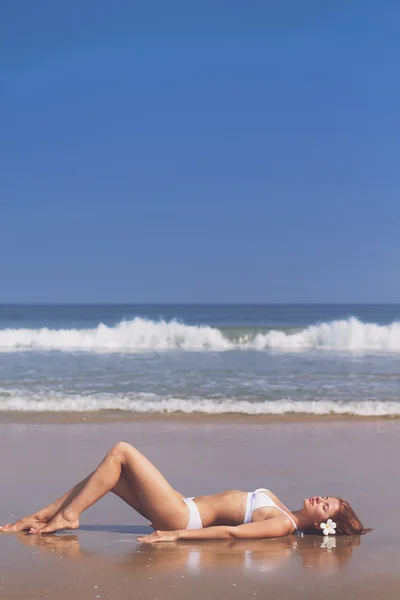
328,527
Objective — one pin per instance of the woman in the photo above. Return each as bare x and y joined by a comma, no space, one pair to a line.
234,514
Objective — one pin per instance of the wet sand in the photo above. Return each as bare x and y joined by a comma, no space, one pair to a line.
354,459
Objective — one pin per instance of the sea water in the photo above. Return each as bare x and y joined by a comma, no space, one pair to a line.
210,359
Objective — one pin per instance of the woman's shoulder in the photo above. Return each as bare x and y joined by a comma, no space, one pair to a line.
284,514
276,499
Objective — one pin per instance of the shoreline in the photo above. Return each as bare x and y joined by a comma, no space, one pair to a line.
116,416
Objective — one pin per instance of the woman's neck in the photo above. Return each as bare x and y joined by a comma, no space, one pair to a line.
302,519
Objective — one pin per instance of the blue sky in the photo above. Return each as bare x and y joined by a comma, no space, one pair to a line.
193,152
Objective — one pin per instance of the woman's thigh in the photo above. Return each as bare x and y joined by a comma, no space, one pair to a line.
147,491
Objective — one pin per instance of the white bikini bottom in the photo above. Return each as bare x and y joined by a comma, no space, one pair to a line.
194,515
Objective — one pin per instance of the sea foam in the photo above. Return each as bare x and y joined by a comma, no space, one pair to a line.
343,335
152,403
134,335
139,335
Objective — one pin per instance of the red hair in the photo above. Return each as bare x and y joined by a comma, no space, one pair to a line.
347,522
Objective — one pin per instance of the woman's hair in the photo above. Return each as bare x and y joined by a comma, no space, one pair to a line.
347,522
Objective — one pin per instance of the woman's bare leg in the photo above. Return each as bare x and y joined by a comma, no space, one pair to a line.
41,517
132,477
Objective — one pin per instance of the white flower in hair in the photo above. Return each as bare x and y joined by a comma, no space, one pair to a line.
328,527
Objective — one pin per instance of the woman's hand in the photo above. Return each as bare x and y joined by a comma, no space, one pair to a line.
159,536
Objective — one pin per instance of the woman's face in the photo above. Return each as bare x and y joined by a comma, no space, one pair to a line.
321,508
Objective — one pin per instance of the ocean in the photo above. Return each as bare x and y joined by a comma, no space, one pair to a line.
209,359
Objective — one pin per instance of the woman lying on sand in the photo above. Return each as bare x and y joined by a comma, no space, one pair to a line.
234,514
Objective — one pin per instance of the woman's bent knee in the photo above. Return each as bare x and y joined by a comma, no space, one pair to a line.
120,450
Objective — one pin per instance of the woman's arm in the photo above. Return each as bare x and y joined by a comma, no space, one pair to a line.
271,528
208,533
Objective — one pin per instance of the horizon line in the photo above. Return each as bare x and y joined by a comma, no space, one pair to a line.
312,303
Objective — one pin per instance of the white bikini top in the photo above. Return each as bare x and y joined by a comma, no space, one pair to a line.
260,499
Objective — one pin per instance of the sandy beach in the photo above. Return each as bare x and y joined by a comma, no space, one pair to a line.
355,459
199,257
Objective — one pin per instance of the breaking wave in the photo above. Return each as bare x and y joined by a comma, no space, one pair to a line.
140,335
153,404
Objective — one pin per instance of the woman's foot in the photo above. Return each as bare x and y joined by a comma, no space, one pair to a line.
25,524
63,520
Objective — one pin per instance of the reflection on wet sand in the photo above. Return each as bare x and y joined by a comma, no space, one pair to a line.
65,545
263,556
327,554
